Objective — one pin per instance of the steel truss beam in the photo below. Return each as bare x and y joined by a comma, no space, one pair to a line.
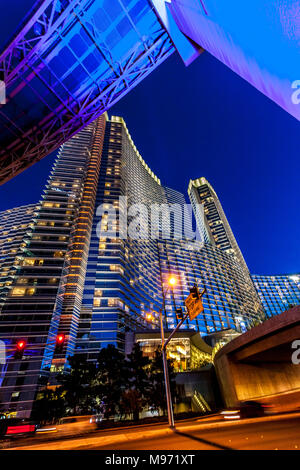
28,57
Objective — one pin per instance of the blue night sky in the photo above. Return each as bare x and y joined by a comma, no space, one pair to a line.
206,121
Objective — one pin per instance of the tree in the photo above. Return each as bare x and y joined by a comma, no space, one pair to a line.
138,382
76,384
110,380
114,385
157,392
132,402
49,406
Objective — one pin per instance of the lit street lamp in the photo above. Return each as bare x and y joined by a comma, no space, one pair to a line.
172,281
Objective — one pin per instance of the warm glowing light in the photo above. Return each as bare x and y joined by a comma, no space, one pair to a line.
229,412
172,281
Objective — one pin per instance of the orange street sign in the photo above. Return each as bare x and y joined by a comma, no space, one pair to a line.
194,306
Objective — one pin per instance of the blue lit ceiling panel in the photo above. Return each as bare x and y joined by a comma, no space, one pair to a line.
70,62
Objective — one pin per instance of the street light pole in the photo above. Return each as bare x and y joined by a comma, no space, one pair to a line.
164,357
166,373
165,365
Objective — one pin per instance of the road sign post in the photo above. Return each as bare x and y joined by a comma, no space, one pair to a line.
194,306
193,302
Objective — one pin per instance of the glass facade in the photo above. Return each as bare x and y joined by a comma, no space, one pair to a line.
278,293
127,278
179,350
15,225
45,293
123,278
230,300
186,349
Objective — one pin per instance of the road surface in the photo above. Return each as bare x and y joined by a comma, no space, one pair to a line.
272,432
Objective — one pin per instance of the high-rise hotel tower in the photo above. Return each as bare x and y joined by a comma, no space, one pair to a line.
44,293
77,274
212,222
126,278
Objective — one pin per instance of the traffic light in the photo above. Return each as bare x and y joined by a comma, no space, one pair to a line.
195,292
20,347
59,346
179,313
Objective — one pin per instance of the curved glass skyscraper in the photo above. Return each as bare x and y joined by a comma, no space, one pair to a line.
127,274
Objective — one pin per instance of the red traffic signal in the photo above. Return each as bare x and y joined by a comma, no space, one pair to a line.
20,347
59,346
60,338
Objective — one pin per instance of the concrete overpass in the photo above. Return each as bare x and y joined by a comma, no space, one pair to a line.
258,364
